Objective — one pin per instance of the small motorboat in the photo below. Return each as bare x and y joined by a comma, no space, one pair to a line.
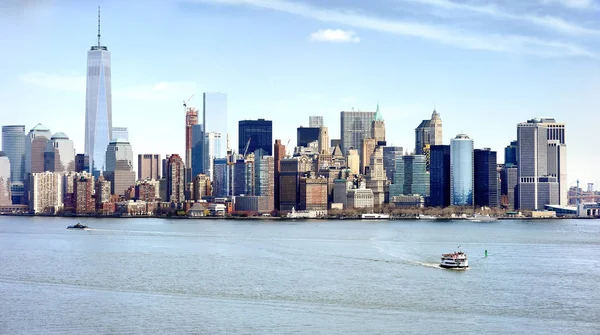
426,217
375,216
455,260
78,226
482,218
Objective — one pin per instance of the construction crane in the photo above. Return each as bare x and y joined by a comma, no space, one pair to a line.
287,147
247,145
185,102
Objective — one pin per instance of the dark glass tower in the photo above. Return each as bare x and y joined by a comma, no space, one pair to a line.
305,135
510,154
486,178
439,174
197,149
260,134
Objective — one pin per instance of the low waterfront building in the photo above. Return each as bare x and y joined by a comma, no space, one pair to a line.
251,203
313,193
359,198
408,201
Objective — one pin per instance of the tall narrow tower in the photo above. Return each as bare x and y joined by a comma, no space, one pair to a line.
98,105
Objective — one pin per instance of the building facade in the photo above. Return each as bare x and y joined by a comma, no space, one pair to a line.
376,177
175,179
98,105
509,182
429,132
355,125
13,145
313,193
5,195
306,135
279,154
485,178
389,160
197,149
214,116
461,171
439,176
46,195
212,147
149,167
259,134
191,120
59,154
83,193
315,121
411,176
289,180
119,166
378,128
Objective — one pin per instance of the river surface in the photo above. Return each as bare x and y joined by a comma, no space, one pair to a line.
147,276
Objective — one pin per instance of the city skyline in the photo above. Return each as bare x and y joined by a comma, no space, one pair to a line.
150,98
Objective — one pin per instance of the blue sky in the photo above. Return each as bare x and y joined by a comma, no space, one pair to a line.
486,65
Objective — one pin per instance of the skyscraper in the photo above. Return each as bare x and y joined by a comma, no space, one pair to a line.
5,197
439,176
149,166
485,178
175,179
13,145
260,134
315,121
411,176
191,121
59,154
220,183
378,128
214,116
197,147
376,178
542,166
98,105
389,160
46,192
212,147
461,171
279,154
355,126
510,154
428,132
119,166
35,145
305,135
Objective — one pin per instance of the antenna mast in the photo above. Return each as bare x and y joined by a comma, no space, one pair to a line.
98,27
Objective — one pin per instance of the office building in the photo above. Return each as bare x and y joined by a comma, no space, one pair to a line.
376,177
119,166
485,178
82,163
243,176
367,148
35,146
191,121
149,166
197,149
289,180
212,147
542,166
315,121
353,161
389,160
378,128
13,145
323,140
265,183
255,134
214,117
411,176
46,192
202,187
175,179
98,105
429,132
359,198
279,154
510,154
5,196
103,192
439,176
120,133
305,135
355,126
313,193
336,143
509,181
461,171
59,154
220,181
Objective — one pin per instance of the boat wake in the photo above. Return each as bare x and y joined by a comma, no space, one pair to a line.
403,260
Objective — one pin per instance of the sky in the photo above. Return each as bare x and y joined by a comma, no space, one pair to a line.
484,65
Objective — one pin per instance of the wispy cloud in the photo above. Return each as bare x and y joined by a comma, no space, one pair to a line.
576,4
440,34
59,82
335,35
549,22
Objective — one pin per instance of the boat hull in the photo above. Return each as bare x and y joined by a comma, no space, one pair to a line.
457,267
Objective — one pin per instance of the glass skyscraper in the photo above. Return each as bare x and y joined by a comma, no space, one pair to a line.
212,147
485,178
411,176
439,176
260,133
197,146
98,105
461,171
214,116
354,127
305,135
13,145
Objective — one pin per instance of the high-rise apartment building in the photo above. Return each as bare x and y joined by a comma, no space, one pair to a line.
214,117
461,171
278,155
411,176
82,163
83,190
355,126
175,179
120,133
485,178
542,164
439,176
46,194
13,145
202,187
429,132
259,133
149,166
59,154
119,166
5,196
191,120
98,105
315,121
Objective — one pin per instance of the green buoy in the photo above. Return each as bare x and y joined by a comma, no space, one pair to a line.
485,252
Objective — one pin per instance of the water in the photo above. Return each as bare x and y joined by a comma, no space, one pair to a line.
311,277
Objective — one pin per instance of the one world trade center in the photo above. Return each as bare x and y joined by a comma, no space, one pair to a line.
98,106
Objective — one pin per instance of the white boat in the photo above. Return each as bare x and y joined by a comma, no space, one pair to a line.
375,216
455,260
482,218
426,217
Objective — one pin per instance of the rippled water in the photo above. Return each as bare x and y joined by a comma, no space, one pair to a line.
314,277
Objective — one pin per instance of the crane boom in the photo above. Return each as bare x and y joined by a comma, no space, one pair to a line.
247,145
188,100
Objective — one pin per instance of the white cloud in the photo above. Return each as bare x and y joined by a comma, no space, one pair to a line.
60,82
334,35
549,22
576,4
440,34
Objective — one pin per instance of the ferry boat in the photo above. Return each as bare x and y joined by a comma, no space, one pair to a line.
375,216
426,217
482,218
78,226
455,260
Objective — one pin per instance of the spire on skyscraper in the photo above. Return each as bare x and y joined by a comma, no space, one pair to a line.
377,116
98,27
